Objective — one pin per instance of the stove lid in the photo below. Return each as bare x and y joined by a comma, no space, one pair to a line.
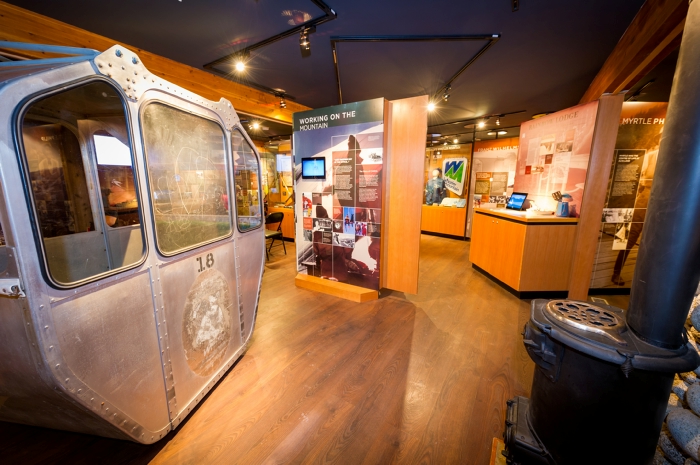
585,316
602,332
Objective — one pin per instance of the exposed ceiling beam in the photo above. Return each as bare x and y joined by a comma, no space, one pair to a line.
654,33
20,25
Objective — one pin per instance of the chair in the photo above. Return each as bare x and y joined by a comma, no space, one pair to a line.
271,219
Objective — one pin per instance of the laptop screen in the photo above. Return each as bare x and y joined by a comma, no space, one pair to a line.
516,201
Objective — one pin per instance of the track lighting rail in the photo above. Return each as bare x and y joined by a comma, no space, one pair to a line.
442,91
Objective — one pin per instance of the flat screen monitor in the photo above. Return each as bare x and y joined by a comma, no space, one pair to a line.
516,201
313,168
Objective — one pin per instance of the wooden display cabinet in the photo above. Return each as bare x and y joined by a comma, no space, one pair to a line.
443,220
527,254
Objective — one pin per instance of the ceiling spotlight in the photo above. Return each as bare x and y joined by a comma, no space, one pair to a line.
283,104
455,141
501,132
498,121
481,124
304,42
446,93
444,143
431,106
240,66
255,126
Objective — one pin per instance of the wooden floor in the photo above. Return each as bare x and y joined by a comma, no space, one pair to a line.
403,379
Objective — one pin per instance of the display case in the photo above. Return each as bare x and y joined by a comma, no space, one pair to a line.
277,169
452,165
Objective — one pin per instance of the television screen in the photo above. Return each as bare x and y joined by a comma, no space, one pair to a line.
516,201
313,168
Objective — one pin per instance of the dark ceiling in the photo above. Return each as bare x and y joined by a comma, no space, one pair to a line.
548,53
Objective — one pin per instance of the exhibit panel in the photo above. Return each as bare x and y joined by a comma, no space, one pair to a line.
629,186
493,174
553,156
338,163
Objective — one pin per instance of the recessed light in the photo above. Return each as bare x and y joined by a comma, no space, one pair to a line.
455,141
491,133
431,106
240,66
501,132
481,124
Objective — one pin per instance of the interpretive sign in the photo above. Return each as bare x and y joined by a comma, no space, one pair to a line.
629,186
339,236
553,155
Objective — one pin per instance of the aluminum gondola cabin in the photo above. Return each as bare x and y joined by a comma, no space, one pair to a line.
132,246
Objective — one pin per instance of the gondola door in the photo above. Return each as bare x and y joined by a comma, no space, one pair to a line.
250,239
189,177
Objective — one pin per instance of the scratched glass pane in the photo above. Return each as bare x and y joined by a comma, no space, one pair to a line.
187,169
80,167
246,177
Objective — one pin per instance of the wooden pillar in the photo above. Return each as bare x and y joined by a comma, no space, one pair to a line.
406,123
599,166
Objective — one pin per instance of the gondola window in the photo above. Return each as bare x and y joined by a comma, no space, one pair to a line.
247,169
62,166
187,167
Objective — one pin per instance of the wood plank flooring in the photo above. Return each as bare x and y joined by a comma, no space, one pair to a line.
406,379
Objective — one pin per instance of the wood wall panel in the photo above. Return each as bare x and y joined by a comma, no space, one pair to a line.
599,166
20,25
403,192
652,35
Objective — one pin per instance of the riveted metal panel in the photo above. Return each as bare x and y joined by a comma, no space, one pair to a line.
250,260
201,318
108,340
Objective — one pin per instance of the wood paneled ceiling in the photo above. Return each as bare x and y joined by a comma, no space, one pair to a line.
548,53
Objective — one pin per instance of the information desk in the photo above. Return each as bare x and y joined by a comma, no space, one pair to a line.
443,220
287,223
526,253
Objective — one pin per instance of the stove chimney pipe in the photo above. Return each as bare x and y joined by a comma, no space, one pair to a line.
668,264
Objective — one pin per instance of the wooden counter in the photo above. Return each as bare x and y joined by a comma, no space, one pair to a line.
443,220
287,223
526,253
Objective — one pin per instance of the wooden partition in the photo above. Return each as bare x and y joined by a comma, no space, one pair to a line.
405,129
20,25
599,166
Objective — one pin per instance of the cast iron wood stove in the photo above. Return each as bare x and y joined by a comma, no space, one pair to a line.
604,375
